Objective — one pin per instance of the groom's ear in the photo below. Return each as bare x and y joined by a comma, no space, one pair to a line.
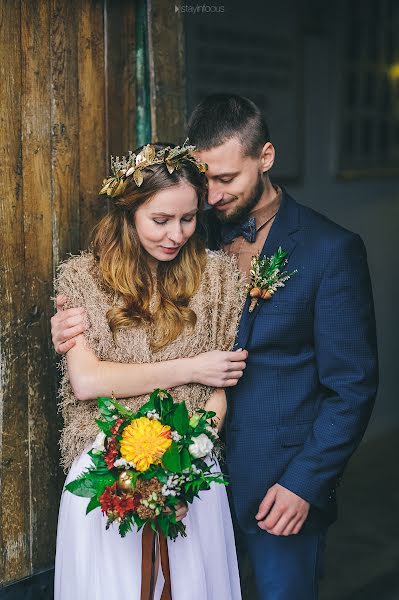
267,157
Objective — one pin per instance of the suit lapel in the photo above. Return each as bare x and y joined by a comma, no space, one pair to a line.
281,234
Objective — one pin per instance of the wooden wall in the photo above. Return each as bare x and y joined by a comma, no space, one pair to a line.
67,101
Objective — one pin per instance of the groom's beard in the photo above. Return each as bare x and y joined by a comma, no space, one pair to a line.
242,211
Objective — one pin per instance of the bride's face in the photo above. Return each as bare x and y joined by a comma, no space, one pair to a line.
167,221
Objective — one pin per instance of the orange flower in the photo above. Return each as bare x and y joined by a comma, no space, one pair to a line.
144,442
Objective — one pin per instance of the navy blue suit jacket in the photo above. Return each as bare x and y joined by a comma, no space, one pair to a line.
306,396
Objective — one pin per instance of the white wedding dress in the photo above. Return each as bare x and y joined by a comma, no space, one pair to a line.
93,563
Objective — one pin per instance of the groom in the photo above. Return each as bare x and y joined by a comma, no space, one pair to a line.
303,405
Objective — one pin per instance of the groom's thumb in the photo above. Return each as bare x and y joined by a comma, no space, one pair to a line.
266,503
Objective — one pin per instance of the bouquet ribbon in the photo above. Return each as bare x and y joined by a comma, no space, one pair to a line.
149,562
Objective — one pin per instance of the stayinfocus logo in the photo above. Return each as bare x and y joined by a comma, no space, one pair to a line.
199,8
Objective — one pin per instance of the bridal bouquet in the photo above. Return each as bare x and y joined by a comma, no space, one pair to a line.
147,462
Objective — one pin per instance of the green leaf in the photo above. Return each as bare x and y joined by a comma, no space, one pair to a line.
163,401
107,409
134,477
122,410
98,461
166,404
147,407
105,426
171,459
180,419
102,480
94,503
164,523
125,525
185,458
84,487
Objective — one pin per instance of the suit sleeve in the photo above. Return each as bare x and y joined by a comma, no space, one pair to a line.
346,355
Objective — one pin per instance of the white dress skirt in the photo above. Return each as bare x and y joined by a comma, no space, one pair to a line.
93,563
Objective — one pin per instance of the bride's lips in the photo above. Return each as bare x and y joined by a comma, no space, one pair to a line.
170,250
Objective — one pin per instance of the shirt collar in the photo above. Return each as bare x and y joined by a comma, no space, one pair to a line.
265,212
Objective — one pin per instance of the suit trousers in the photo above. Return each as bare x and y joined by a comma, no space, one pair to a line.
286,567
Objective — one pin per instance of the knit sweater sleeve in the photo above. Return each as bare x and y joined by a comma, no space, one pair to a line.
227,299
76,281
68,284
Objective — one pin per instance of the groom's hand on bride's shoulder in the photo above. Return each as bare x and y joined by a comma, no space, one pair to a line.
66,324
282,512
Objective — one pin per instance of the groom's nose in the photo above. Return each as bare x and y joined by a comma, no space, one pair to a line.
215,194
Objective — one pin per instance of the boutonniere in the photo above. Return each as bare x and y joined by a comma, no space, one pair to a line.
267,276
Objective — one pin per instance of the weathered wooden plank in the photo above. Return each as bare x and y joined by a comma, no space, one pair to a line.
166,61
64,128
14,456
120,77
36,157
92,110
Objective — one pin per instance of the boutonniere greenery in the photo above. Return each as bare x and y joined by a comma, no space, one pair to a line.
267,275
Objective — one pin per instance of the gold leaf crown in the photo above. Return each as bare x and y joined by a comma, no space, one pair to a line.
134,164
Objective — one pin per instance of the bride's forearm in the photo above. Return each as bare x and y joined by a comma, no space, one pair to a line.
91,377
218,404
126,380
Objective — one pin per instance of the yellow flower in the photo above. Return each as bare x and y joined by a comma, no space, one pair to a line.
144,442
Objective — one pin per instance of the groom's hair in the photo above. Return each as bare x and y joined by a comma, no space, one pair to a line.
220,117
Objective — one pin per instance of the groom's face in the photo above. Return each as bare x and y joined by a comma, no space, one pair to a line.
236,181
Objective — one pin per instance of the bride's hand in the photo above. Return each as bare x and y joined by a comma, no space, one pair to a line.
217,368
180,509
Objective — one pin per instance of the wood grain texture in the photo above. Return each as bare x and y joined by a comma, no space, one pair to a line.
166,57
37,191
64,128
62,105
92,114
121,77
14,448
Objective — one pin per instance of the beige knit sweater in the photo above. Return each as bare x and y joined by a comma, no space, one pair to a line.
217,304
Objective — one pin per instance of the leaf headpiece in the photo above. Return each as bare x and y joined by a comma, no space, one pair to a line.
133,165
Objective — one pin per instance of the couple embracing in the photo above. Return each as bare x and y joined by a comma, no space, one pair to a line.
292,380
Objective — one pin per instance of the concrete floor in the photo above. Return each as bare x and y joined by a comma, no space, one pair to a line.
362,558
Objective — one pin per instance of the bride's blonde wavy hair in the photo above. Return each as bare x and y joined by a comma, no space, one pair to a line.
124,269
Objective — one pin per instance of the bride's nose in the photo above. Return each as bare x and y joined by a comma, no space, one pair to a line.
175,234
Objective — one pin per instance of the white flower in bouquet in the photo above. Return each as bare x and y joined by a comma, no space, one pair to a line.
122,462
99,442
201,446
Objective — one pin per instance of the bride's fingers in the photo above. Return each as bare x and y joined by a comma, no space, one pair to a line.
234,374
237,366
230,382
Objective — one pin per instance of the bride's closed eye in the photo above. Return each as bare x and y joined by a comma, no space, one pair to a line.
184,219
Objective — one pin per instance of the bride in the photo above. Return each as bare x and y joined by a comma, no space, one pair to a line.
162,313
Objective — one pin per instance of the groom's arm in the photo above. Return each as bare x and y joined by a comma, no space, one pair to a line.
66,325
346,353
